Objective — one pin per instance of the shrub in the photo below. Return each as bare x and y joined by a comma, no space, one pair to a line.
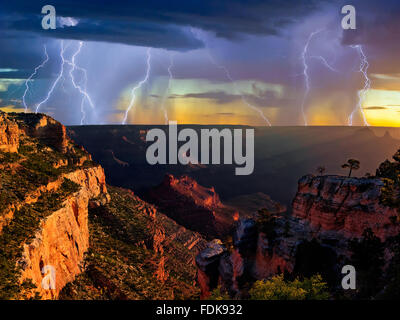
277,288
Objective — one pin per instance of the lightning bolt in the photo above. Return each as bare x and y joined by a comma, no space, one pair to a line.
74,67
367,85
49,93
31,76
305,73
171,64
138,86
325,63
82,90
228,75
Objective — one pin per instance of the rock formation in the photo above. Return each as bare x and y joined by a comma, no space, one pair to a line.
192,205
136,252
208,262
61,236
328,212
345,205
9,134
47,130
58,223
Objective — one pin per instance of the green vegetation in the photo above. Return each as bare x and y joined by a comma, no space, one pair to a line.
277,288
219,294
44,169
33,166
390,193
389,172
69,187
352,164
26,149
20,231
9,157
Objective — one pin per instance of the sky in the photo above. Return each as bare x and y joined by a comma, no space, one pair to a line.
254,62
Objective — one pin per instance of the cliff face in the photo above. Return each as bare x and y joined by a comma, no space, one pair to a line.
60,243
91,179
46,187
47,130
345,205
63,237
9,135
252,257
192,205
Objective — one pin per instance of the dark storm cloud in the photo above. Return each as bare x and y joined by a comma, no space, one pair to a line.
23,53
378,27
157,23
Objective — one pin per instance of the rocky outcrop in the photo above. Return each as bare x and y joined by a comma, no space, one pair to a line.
208,262
138,251
186,186
49,131
345,205
63,237
252,257
9,134
30,130
92,179
192,205
328,212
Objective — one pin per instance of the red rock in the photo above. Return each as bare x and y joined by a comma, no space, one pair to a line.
192,205
49,131
345,205
9,134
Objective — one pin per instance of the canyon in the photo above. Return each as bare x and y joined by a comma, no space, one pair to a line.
57,213
328,213
192,205
174,239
